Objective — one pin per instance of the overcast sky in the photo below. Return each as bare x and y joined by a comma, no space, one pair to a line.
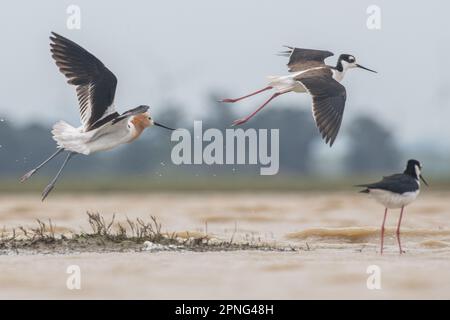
179,51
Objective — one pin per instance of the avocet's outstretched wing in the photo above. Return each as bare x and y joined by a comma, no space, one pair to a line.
304,59
95,84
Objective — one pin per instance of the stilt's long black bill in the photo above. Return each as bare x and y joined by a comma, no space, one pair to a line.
360,66
421,178
162,126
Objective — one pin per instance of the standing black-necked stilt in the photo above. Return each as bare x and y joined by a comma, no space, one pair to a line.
102,127
310,74
396,191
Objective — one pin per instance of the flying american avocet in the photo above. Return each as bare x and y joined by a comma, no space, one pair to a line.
396,191
310,74
102,127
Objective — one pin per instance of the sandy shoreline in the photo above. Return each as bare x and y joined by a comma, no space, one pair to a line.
226,275
337,234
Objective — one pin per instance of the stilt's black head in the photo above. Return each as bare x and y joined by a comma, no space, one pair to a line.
347,58
347,61
414,169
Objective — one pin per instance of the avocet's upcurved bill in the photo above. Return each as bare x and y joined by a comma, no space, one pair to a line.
310,74
102,127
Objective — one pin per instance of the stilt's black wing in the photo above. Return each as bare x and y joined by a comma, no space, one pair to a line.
397,183
95,84
328,101
304,59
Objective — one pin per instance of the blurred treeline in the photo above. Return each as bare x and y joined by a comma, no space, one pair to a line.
370,147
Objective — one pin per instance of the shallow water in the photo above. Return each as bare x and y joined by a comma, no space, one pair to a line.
337,233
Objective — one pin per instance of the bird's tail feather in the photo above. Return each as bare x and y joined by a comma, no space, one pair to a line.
68,137
365,190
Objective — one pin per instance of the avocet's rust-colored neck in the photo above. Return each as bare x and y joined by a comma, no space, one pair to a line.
140,122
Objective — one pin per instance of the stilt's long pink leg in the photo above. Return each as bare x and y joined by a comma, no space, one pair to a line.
249,95
398,231
244,120
382,230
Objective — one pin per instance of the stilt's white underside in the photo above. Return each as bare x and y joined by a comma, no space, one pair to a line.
284,84
288,83
393,200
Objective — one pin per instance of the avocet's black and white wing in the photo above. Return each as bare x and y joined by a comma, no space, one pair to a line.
396,183
95,84
304,59
328,97
130,113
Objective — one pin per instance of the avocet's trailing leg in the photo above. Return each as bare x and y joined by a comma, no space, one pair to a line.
28,175
52,183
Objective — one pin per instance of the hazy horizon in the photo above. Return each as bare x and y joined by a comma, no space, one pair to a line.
180,52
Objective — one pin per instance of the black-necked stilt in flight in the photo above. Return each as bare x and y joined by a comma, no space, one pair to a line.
396,191
102,127
310,74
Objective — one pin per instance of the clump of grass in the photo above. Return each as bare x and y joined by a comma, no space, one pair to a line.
111,236
136,230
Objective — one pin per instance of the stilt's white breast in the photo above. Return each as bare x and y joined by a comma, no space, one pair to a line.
338,75
393,200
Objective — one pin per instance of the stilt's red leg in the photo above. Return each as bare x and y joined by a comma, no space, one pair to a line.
249,95
398,231
244,120
382,230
